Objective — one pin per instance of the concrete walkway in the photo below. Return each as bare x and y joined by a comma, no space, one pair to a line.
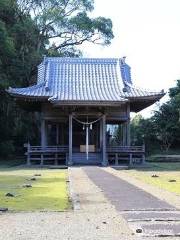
144,212
94,218
124,196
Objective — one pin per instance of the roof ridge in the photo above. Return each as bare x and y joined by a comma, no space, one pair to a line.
81,59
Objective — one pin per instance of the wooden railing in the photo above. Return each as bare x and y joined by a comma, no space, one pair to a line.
59,154
125,154
125,149
47,148
47,155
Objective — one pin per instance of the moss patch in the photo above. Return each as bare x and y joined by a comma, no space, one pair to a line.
48,191
165,173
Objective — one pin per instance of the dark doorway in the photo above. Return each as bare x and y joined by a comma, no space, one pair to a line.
79,135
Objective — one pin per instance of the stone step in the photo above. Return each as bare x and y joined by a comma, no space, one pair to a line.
80,158
168,229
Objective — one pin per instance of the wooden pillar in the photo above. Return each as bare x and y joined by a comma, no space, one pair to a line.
57,133
70,162
98,145
100,138
116,159
43,133
43,139
28,155
57,143
62,134
128,136
126,128
104,157
42,159
130,159
124,133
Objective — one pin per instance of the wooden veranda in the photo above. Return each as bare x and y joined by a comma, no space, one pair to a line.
59,155
77,99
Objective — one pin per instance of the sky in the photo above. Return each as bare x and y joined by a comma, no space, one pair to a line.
147,32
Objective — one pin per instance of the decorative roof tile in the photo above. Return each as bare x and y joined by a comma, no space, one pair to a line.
83,80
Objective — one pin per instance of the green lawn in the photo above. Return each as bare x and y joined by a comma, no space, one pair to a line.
164,171
48,192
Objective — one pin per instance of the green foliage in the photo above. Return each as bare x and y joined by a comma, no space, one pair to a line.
162,130
175,91
29,30
167,124
143,132
65,24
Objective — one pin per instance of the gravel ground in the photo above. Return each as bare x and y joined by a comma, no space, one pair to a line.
95,220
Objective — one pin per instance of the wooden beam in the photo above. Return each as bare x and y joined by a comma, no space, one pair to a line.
70,162
89,113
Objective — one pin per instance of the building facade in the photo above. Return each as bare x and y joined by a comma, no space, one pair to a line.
79,99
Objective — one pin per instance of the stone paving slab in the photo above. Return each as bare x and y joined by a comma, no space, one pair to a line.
123,195
146,215
152,216
160,230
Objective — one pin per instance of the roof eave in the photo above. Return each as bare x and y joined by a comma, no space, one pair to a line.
88,103
28,97
139,103
148,97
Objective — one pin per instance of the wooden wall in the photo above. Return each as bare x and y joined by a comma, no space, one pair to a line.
113,113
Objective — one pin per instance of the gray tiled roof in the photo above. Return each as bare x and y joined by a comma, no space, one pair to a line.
83,80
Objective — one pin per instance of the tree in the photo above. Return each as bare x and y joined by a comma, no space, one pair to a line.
168,119
143,132
167,126
175,91
162,130
65,24
30,29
